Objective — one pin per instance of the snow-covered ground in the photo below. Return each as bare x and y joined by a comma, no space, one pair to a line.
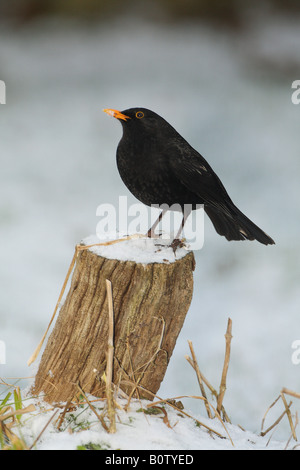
140,427
229,95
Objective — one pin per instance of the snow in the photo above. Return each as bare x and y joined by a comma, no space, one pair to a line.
138,248
136,430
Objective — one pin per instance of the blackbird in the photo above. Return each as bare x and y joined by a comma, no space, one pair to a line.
160,167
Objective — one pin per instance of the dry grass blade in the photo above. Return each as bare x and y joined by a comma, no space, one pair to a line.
38,348
189,416
165,418
100,418
277,421
112,242
290,392
288,413
294,426
43,430
202,379
169,402
9,440
263,433
132,373
110,358
228,337
195,366
63,414
12,414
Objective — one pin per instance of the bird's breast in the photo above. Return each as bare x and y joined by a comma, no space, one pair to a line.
146,172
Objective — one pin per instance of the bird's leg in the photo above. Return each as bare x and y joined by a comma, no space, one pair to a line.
150,232
176,242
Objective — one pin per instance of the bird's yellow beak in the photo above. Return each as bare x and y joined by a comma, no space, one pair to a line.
116,114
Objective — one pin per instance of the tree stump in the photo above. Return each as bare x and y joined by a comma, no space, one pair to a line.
150,302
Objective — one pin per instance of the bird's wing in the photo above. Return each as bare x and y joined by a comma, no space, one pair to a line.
193,171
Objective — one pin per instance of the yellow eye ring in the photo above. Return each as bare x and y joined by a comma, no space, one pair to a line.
139,114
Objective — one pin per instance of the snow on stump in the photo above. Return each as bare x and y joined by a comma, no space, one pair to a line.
151,293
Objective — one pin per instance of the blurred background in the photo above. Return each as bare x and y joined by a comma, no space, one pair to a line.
221,73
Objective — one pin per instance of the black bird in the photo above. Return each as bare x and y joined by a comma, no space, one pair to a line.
160,167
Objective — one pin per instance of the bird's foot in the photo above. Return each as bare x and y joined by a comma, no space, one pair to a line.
175,244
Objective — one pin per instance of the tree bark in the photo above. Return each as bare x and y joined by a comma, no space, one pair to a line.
150,302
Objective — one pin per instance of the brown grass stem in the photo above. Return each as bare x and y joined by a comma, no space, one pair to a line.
228,337
110,358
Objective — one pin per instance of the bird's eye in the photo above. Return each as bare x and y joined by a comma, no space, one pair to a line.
139,115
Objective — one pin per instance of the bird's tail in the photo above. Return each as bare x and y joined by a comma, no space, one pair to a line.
234,225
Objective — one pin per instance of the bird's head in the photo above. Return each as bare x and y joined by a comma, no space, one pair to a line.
139,120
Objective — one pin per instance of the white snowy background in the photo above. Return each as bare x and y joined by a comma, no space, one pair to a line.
229,94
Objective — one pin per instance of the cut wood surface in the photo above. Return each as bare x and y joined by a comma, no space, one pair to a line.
150,302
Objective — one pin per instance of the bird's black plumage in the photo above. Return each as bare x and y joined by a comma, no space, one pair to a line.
160,167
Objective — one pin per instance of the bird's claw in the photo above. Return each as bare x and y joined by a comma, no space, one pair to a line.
175,244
